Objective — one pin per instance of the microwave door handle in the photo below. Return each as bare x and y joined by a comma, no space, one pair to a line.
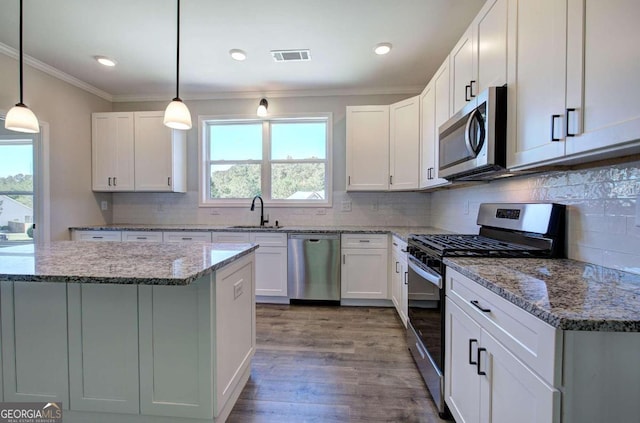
467,138
428,275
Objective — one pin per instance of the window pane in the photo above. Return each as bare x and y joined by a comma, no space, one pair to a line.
302,140
16,167
235,181
298,181
236,142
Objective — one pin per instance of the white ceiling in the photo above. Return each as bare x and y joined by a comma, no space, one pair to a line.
140,35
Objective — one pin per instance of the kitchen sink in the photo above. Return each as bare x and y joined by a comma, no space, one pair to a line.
255,227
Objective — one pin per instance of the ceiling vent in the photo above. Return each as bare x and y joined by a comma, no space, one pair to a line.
291,55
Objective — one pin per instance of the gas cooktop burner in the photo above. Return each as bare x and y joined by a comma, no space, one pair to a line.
476,245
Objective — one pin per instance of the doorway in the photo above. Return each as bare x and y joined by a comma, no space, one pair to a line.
24,211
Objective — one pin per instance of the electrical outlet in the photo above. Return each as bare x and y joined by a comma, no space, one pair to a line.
346,205
237,289
374,205
465,207
214,212
104,205
321,212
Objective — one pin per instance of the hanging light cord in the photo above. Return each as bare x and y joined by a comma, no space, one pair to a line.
177,57
21,59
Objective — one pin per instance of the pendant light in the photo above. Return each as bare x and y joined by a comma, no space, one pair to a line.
177,115
20,118
262,108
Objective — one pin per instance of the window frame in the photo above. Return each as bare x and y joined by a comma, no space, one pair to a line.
204,161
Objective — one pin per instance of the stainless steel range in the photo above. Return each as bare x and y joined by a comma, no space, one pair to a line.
506,230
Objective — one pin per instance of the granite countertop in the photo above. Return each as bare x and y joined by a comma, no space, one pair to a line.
567,294
117,262
400,231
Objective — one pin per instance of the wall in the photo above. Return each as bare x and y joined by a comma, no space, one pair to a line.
601,206
367,208
67,110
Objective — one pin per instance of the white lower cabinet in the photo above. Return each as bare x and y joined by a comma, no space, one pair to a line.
364,268
34,342
184,236
141,236
271,260
398,278
184,370
97,236
103,348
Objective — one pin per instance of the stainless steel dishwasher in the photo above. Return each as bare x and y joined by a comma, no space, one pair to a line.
314,267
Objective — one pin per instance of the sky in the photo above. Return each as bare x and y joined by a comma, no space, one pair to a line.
244,142
15,159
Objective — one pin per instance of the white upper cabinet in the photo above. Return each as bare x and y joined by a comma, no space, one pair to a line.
134,151
434,111
574,64
160,155
603,66
537,71
479,59
112,152
367,148
404,144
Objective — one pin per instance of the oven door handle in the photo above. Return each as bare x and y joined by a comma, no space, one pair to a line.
428,275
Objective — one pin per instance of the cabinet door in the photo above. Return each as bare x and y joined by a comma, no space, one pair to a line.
462,383
442,98
34,342
103,348
271,271
153,152
364,274
461,63
404,144
427,134
395,278
603,64
97,236
176,349
537,70
112,151
510,391
490,44
404,289
367,148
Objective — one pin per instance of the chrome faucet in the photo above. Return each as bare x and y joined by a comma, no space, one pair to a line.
253,206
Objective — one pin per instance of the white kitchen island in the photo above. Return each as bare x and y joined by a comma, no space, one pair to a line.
128,332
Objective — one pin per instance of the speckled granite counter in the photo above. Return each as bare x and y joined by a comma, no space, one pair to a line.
401,231
567,294
117,262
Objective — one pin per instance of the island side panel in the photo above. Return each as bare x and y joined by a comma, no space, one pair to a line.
34,342
176,371
235,332
103,347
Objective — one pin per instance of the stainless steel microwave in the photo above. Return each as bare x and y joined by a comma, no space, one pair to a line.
472,144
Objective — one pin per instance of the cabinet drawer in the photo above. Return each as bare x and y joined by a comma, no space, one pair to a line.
230,237
97,236
141,236
181,236
398,245
364,240
533,341
269,239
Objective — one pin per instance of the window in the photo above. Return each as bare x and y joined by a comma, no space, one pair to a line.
16,191
285,160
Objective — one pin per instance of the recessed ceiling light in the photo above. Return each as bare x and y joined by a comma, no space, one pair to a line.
382,48
105,61
237,54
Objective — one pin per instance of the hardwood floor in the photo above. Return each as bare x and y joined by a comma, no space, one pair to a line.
332,364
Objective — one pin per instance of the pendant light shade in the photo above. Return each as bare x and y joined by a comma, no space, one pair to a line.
20,118
177,115
262,108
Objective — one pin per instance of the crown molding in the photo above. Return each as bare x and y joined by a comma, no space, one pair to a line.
234,95
56,73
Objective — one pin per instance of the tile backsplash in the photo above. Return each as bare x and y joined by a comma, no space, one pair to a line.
367,209
601,209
